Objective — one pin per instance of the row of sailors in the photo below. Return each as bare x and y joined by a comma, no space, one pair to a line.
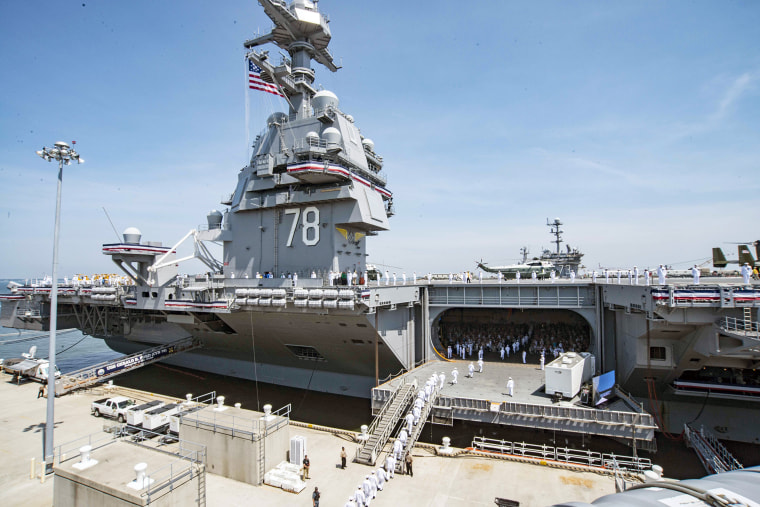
375,481
368,489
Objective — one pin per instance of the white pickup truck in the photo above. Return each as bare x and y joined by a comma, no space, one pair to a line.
112,407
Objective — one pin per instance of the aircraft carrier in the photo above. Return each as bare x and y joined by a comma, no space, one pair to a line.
290,302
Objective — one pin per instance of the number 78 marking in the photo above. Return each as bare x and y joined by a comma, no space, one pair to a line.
310,222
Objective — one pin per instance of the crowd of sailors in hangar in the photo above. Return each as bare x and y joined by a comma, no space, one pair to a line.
513,340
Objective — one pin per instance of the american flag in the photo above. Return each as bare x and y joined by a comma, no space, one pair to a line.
256,83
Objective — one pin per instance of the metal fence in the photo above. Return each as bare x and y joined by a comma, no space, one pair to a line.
564,455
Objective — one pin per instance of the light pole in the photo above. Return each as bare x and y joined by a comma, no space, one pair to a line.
64,155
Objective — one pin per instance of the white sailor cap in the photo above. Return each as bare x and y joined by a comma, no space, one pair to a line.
510,378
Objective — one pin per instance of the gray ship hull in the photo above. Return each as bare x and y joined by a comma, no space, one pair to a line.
334,354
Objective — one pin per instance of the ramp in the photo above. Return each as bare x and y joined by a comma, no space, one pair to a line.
104,371
386,420
713,455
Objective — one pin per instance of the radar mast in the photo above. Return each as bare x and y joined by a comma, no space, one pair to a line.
556,231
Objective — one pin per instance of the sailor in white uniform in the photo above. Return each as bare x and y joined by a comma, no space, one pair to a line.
510,387
367,489
553,275
746,273
454,374
361,500
662,275
695,274
429,277
451,277
606,276
394,278
403,436
416,412
480,276
414,277
397,449
390,465
517,277
501,352
403,278
480,365
350,502
593,276
448,351
525,353
533,275
501,277
387,277
471,369
442,378
572,276
409,421
382,476
373,483
630,277
543,359
635,275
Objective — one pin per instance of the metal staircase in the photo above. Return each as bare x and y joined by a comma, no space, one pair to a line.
713,455
386,420
417,429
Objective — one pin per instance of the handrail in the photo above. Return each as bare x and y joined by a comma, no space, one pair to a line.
564,454
738,325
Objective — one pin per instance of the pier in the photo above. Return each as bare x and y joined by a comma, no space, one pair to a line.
474,480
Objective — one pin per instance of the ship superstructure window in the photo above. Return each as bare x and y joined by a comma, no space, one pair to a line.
657,353
306,352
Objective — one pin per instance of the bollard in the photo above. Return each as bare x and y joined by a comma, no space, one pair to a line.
31,470
42,472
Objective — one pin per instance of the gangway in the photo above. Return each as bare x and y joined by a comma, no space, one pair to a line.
385,421
104,371
416,429
713,455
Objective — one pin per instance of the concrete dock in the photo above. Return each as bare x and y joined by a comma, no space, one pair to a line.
438,481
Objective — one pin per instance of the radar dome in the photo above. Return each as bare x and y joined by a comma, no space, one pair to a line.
276,118
350,118
132,235
324,99
214,219
369,144
331,135
312,137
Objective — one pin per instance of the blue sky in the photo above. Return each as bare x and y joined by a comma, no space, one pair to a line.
637,123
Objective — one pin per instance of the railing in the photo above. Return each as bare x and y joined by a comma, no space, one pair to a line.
713,455
70,450
28,313
241,427
385,411
735,325
564,455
